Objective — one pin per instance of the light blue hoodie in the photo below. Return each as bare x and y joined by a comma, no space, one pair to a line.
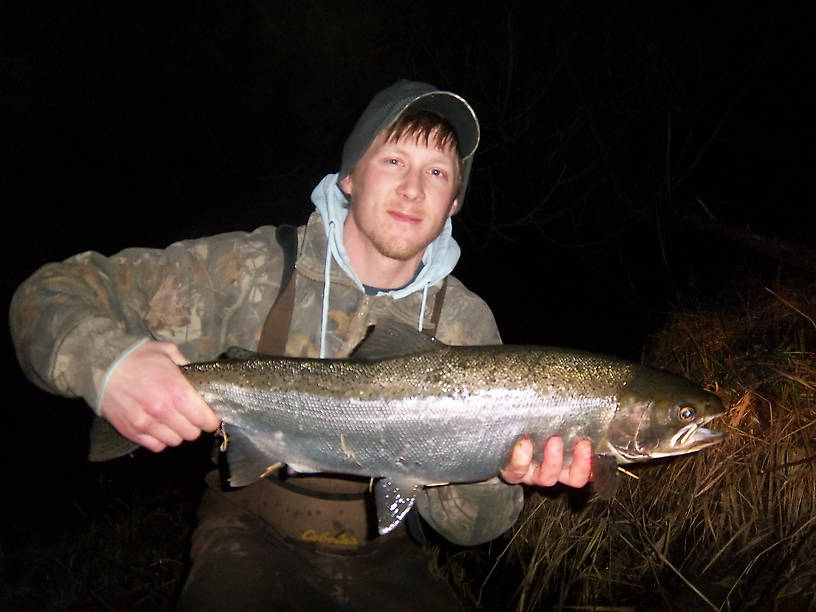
439,259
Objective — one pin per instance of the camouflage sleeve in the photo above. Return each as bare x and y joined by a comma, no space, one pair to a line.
466,320
70,321
469,514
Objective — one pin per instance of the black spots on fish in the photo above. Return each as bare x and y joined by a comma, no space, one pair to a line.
573,375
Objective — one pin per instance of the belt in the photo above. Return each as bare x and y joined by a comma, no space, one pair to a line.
329,513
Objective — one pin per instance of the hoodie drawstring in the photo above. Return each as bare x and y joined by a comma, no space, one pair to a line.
422,308
324,320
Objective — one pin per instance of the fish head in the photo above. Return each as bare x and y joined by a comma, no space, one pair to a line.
662,415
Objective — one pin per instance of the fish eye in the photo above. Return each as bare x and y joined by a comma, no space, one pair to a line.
687,413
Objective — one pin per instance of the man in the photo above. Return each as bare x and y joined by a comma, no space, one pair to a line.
113,330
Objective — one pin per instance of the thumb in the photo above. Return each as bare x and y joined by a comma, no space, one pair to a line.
172,351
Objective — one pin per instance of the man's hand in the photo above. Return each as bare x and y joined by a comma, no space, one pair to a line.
522,468
149,401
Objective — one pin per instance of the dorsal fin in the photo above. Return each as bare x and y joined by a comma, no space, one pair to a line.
239,353
388,338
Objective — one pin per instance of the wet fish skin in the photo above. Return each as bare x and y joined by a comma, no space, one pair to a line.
435,413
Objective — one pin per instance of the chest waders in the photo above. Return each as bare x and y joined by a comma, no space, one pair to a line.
334,512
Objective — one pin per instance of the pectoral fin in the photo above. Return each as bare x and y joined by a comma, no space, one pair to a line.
393,498
246,461
605,476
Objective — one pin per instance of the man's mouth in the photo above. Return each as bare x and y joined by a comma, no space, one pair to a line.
404,217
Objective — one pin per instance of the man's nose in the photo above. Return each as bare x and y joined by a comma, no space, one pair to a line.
411,186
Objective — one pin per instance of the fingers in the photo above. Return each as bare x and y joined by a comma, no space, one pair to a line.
173,352
577,473
520,465
190,410
552,462
523,469
156,444
167,418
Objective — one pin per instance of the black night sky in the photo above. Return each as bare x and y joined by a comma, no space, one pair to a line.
609,131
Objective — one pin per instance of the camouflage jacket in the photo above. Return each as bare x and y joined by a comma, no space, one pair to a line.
71,321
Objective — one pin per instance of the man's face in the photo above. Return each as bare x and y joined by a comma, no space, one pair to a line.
401,193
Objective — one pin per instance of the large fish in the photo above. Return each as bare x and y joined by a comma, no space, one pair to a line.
412,411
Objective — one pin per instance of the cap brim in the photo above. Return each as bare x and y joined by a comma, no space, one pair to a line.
455,109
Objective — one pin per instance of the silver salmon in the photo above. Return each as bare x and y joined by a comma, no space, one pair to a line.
411,411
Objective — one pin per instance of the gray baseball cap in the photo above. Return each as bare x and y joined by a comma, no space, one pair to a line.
387,106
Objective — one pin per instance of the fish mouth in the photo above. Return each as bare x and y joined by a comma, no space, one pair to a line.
694,437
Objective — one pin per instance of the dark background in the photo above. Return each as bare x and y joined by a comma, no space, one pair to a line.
608,131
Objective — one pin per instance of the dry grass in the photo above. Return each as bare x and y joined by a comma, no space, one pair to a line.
731,528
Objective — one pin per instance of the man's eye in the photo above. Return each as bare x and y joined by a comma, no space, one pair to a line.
393,162
437,172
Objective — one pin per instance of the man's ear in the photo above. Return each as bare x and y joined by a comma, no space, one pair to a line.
345,184
454,207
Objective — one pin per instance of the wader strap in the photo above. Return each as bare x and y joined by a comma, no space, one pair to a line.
330,495
276,327
437,309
